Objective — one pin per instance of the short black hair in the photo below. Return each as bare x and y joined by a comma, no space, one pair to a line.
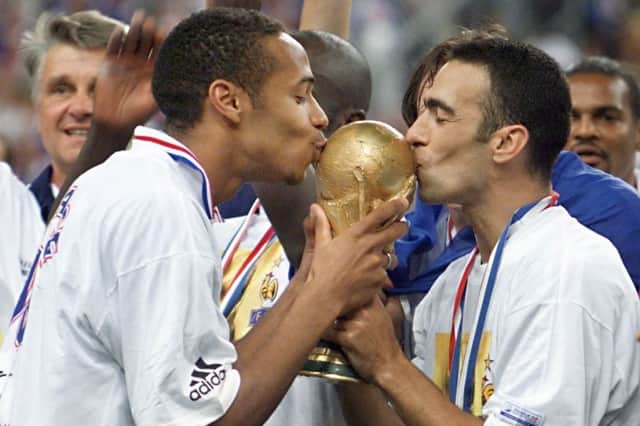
527,87
342,74
217,43
611,68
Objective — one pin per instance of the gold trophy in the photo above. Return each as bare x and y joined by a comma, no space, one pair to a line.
363,164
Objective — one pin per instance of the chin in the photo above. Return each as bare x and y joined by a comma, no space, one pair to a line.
294,179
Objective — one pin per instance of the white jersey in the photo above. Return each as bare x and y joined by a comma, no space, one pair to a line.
558,346
21,229
250,241
123,325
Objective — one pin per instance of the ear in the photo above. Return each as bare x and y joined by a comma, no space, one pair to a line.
638,136
508,142
227,99
355,115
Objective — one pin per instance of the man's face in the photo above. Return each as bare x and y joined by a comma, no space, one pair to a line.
286,122
603,131
451,164
65,101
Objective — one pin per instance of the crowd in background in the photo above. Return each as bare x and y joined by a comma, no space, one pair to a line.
389,32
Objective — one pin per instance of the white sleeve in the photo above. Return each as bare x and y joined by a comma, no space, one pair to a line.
163,323
21,229
176,354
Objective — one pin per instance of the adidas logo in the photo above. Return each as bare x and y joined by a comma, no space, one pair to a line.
204,378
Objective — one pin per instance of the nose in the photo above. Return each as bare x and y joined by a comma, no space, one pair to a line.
319,119
81,106
583,127
417,134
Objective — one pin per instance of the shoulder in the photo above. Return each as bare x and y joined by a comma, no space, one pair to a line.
558,260
591,195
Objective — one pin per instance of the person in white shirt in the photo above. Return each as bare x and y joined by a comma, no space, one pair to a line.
62,56
537,325
21,229
121,316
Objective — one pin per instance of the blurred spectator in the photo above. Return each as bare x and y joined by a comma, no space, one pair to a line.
388,32
6,150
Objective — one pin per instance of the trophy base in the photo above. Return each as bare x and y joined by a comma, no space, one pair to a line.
329,362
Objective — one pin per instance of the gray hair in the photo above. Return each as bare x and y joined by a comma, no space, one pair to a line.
84,30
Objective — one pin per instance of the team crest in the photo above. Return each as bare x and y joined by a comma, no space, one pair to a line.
269,287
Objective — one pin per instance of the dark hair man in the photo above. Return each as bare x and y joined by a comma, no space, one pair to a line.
605,108
123,296
536,325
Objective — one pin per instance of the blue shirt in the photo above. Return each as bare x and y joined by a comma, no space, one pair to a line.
598,200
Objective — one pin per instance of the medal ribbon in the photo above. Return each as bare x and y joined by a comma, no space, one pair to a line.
457,316
239,281
232,292
239,235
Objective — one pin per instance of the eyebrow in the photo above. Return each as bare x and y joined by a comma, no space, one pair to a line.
307,79
601,109
433,103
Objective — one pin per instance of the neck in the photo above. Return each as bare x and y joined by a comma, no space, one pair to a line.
491,214
57,176
630,177
213,149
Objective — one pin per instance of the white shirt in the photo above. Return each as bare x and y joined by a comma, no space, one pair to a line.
558,346
124,325
21,229
309,401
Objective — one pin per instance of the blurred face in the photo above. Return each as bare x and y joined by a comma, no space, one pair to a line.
286,122
451,164
603,131
65,101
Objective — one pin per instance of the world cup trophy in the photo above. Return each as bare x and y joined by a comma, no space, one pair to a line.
363,165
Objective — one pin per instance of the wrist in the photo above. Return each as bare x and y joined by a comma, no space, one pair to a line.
390,375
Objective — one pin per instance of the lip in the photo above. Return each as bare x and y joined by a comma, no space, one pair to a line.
68,131
318,148
590,153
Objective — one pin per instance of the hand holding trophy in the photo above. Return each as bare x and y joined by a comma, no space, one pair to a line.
364,164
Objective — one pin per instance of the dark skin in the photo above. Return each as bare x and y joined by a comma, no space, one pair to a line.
334,284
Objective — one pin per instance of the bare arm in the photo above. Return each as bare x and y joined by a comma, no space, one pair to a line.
273,352
331,16
369,340
123,96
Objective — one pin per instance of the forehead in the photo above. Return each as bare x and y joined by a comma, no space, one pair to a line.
460,84
591,90
291,61
70,61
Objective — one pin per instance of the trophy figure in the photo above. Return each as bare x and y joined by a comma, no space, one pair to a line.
363,164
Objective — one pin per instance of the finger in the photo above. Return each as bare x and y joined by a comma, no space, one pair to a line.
115,42
332,334
132,40
157,42
146,38
387,236
387,284
388,211
388,260
322,226
308,225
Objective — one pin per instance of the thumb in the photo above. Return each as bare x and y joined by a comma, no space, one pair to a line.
322,225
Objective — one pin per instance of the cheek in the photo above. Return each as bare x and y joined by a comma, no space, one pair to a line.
49,113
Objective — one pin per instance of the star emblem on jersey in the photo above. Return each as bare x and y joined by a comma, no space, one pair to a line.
205,378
